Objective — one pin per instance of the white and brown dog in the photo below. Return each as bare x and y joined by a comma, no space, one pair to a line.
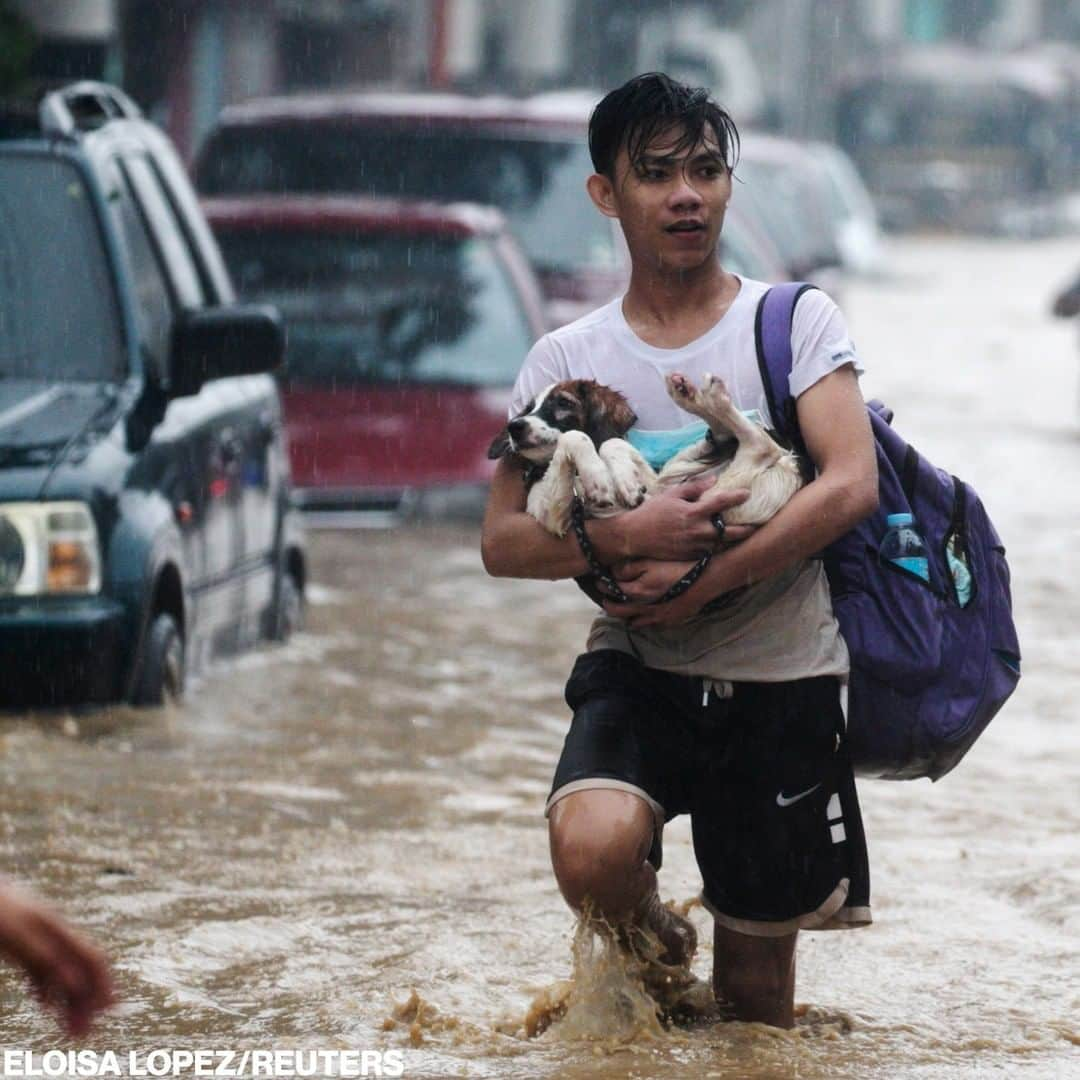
571,435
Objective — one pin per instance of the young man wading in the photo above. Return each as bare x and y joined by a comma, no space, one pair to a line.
731,715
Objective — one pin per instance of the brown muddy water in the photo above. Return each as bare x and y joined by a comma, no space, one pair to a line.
339,844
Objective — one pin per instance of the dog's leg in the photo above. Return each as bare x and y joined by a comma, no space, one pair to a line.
760,464
634,479
687,396
551,497
713,404
594,476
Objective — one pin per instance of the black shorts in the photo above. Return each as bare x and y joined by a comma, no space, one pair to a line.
763,773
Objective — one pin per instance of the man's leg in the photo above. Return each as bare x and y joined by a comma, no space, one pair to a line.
600,842
756,976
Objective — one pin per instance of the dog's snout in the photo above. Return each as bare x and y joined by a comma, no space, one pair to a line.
517,427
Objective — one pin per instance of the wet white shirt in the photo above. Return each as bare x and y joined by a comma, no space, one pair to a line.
782,628
602,346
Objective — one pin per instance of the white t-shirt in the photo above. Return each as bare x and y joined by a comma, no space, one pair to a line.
782,628
602,346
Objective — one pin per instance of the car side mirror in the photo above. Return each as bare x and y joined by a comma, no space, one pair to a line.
215,343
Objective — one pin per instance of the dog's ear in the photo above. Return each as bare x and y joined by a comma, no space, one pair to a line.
608,416
499,445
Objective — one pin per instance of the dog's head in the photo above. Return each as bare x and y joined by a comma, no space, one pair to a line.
573,405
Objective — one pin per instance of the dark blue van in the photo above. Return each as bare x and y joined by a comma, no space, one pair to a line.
145,518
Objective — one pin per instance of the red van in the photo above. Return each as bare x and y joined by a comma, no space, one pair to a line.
406,325
527,156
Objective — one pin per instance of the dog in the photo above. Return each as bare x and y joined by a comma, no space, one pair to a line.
572,437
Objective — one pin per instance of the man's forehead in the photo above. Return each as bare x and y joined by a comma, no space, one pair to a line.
671,145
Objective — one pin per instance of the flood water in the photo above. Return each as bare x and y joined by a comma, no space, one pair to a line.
324,829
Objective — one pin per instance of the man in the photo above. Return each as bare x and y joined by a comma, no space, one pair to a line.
67,974
733,714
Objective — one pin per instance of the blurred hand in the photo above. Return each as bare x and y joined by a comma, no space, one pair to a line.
67,974
676,524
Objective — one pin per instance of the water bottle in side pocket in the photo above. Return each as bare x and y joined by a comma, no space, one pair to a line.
903,546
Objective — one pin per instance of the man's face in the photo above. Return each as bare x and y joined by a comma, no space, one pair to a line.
671,202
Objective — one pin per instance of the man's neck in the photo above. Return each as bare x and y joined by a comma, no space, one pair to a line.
671,309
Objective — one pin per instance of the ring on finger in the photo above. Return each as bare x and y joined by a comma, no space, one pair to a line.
718,524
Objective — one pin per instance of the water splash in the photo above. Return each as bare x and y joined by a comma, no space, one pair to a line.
619,993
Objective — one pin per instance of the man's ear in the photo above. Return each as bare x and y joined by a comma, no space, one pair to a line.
602,192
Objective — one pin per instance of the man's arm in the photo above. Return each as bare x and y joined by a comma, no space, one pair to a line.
835,427
674,524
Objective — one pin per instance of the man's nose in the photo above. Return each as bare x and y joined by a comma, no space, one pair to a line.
684,193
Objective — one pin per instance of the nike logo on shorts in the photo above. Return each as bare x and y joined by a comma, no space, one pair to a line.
784,800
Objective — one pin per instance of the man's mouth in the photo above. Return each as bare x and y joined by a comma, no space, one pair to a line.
687,225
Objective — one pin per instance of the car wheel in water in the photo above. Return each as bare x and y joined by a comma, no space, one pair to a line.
289,612
161,672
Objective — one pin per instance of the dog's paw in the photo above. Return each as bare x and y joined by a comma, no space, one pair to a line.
598,489
679,387
629,489
714,394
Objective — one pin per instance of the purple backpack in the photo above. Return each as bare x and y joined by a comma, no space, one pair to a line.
931,662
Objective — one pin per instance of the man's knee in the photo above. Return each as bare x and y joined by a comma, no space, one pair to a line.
600,841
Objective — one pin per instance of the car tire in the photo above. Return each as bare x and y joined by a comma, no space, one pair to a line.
289,610
161,671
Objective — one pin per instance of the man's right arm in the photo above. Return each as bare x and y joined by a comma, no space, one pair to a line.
673,525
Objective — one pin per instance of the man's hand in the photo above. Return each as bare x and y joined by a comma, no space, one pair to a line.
644,581
67,974
673,613
676,524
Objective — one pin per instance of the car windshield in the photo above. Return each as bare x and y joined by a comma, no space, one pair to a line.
384,307
59,319
538,183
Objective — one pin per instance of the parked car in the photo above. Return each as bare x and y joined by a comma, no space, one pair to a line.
745,247
849,209
407,324
144,485
951,136
778,184
528,157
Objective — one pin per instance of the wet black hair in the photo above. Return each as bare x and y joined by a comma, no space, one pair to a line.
648,106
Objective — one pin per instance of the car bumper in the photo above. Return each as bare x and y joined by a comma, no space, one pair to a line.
61,651
376,508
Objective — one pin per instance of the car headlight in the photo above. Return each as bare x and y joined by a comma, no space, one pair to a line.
49,547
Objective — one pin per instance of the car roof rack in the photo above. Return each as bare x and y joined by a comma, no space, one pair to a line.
84,106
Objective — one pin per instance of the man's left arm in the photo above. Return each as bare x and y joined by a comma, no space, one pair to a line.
836,430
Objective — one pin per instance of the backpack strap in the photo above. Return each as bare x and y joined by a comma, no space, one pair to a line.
772,336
